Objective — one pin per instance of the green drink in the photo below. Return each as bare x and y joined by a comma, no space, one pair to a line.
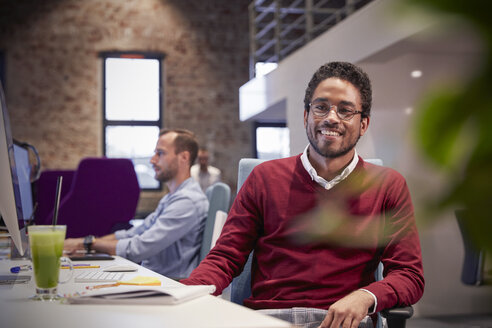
46,244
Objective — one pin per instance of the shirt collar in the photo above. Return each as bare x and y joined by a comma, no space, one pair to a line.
181,186
321,181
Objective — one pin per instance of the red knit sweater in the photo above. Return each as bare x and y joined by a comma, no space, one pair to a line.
309,254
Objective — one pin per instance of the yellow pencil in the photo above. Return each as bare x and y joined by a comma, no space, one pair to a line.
81,267
116,284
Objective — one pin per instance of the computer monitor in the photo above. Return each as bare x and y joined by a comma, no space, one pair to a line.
10,196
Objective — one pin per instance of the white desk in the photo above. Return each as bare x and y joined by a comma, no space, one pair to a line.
17,311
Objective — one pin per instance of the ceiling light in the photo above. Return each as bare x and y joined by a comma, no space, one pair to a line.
416,74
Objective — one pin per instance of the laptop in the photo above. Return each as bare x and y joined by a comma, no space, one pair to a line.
92,256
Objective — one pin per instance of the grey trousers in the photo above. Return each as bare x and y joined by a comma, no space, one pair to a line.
302,317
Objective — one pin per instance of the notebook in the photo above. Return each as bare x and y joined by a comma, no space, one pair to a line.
142,295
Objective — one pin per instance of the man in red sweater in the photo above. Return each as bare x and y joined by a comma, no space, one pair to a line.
363,212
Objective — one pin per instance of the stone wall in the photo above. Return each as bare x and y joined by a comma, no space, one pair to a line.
54,73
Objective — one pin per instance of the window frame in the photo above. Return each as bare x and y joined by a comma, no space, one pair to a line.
105,123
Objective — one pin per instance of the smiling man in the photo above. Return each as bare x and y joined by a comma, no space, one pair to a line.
362,214
169,239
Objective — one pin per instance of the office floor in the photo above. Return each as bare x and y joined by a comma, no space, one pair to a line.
458,321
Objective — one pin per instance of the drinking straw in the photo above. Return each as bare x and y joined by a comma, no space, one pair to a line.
57,199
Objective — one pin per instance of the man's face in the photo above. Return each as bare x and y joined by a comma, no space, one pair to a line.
165,160
330,136
203,158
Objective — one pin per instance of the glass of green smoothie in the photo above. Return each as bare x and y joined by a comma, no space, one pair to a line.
46,244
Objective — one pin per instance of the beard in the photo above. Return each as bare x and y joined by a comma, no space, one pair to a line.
167,174
328,152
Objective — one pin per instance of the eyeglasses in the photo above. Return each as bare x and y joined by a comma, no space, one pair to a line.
344,112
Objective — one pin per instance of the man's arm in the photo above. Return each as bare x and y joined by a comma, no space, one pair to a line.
100,244
72,245
111,236
403,283
179,217
105,245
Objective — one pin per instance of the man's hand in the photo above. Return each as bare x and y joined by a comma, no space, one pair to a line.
72,245
106,244
349,311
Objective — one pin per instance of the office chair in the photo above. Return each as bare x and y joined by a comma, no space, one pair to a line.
219,197
241,285
473,269
103,194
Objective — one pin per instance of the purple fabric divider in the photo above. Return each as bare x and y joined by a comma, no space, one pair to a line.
45,191
104,192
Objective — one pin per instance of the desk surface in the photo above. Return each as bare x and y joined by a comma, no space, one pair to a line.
16,310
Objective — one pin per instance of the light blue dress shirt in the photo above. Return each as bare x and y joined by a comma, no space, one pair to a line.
169,239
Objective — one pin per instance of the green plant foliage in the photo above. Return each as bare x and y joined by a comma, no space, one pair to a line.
442,128
455,129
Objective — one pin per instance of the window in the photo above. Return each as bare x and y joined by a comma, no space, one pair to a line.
262,69
132,110
271,140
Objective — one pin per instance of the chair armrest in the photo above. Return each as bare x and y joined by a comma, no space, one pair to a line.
396,317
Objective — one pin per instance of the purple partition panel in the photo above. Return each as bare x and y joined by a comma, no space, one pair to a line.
45,190
104,193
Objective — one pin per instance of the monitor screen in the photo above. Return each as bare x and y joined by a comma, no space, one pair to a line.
23,166
10,196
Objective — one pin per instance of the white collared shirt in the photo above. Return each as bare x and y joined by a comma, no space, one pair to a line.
321,181
330,184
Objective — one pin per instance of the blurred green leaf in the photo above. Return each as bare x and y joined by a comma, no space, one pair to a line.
443,129
454,130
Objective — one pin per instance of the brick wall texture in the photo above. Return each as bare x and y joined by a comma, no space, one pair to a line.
54,72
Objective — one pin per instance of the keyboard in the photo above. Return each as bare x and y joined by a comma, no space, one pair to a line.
98,276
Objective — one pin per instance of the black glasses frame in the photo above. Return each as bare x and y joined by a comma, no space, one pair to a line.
343,114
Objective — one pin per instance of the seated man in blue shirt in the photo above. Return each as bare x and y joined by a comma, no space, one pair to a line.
169,239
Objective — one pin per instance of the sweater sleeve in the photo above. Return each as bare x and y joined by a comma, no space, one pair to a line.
238,238
403,282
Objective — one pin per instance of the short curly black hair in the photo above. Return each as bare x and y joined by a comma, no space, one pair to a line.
347,72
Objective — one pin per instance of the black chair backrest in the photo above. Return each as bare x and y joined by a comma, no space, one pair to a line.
473,262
